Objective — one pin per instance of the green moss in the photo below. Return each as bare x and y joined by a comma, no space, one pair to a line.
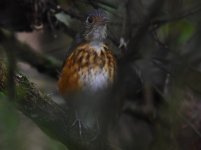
21,92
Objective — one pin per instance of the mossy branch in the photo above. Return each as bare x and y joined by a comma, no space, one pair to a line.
54,120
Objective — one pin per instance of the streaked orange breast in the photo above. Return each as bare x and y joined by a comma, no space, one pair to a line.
88,68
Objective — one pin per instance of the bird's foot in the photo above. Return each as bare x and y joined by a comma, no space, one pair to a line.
91,133
80,126
79,123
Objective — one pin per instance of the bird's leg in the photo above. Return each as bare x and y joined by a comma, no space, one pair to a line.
92,128
79,122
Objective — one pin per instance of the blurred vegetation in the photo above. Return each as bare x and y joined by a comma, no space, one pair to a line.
157,44
15,131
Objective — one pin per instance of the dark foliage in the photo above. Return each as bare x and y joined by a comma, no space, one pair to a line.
157,44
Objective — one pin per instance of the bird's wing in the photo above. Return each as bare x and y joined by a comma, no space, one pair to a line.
69,78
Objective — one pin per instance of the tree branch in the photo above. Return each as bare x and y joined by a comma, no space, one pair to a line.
54,120
42,63
35,104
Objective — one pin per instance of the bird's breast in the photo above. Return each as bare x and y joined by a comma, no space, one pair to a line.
95,78
88,68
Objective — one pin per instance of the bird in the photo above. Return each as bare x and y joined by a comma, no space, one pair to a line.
89,70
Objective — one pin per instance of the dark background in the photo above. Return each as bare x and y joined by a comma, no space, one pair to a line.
157,45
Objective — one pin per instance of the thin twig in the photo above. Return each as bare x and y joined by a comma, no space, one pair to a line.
182,15
135,41
192,126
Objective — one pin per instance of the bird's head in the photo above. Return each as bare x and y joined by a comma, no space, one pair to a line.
96,26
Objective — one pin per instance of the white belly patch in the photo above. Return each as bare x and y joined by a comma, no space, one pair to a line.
96,80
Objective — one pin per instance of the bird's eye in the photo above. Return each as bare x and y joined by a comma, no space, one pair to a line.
89,19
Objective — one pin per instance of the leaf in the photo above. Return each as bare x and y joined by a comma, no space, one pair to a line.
181,31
